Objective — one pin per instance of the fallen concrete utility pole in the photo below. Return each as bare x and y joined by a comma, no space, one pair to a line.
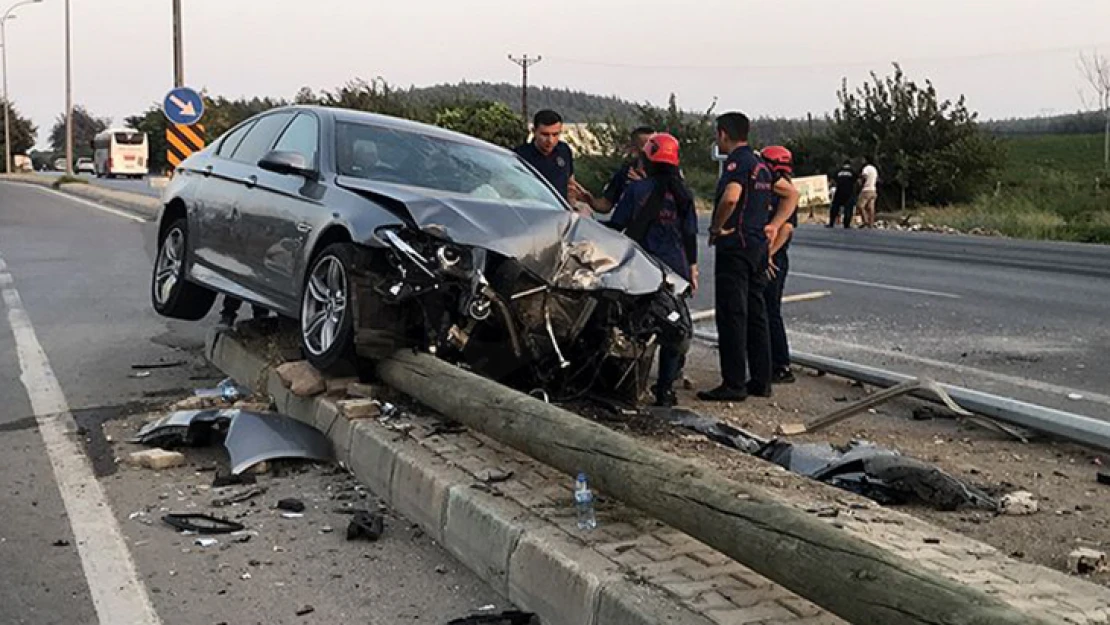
841,573
1067,425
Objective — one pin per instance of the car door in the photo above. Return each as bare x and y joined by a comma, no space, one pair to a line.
283,209
238,248
216,196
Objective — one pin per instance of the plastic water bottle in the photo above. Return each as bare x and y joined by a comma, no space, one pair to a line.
584,503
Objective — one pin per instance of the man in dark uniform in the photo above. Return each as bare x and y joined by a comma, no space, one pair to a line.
842,198
631,171
781,162
658,213
740,228
548,154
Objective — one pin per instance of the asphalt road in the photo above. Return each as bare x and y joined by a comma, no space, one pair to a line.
1018,318
76,318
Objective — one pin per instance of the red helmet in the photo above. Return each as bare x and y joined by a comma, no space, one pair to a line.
779,158
662,148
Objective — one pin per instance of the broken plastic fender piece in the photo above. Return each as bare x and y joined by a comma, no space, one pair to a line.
254,437
202,524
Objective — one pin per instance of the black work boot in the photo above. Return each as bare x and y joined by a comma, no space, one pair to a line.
665,399
783,376
722,394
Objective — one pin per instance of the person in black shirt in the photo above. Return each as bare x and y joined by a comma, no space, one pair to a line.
741,226
632,170
549,155
781,162
842,198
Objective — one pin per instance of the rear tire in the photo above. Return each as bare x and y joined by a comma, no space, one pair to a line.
326,319
170,293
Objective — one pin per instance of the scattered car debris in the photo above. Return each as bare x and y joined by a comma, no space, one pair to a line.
1075,396
240,497
185,428
229,479
138,375
1020,503
206,542
302,378
1085,561
160,365
291,505
365,526
306,610
292,515
156,459
881,474
253,438
60,543
202,523
228,390
495,476
512,617
715,430
1103,478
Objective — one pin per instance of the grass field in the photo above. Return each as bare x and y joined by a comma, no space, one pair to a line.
1052,187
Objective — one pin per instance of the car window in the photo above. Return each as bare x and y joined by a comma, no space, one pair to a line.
261,136
437,164
232,141
302,137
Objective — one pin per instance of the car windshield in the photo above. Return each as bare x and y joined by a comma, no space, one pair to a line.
130,138
417,160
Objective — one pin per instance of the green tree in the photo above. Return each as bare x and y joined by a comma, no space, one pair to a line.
374,96
23,131
490,121
85,127
928,150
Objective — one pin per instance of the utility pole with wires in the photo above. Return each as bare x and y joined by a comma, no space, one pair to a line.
524,62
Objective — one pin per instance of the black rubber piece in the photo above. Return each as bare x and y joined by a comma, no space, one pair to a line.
202,524
291,505
1104,478
513,617
365,525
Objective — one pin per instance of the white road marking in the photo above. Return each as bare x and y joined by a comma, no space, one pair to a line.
706,315
1043,387
118,595
875,285
100,207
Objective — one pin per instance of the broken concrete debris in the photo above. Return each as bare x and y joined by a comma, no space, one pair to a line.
302,378
359,408
365,526
358,389
156,459
1020,503
1085,561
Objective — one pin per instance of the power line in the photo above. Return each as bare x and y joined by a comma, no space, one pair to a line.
824,65
524,62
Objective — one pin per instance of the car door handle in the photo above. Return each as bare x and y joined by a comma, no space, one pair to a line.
208,171
251,181
304,227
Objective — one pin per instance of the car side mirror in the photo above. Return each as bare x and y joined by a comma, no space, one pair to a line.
287,163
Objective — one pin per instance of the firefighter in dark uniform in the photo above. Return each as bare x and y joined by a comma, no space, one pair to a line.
781,162
740,229
658,213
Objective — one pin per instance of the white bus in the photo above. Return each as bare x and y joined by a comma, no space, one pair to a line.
121,152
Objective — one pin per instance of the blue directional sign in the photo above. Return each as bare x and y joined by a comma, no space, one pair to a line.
183,106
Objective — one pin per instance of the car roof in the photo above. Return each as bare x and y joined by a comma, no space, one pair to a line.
395,123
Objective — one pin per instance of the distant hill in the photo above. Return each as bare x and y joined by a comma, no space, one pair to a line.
574,106
1071,124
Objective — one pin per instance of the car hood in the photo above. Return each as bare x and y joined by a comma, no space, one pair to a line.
560,247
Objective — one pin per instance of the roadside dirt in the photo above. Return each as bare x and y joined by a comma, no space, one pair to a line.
1074,507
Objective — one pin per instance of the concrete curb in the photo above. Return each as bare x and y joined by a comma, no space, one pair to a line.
522,556
140,204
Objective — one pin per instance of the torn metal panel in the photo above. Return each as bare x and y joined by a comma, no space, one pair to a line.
254,438
714,430
185,428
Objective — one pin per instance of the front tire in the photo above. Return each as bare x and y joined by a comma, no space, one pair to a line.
326,322
170,293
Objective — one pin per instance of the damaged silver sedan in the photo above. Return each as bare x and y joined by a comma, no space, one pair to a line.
378,234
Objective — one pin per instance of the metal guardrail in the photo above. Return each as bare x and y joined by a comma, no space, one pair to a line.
1068,425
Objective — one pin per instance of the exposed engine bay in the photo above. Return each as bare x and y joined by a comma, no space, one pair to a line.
560,337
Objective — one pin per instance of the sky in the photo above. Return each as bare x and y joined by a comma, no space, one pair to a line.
785,58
